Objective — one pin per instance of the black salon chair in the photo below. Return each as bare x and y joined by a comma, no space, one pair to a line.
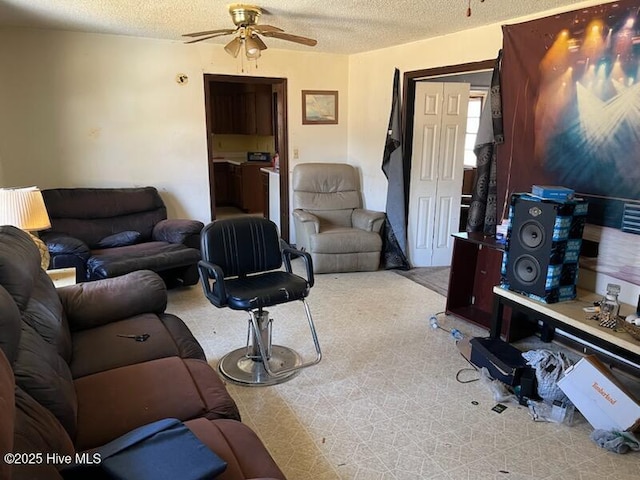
241,269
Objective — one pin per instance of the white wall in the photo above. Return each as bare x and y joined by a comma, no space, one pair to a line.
101,110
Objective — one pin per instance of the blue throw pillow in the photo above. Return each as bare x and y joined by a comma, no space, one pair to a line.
121,239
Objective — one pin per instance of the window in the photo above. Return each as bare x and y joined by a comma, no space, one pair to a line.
476,101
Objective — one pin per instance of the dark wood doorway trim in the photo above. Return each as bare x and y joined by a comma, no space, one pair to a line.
279,89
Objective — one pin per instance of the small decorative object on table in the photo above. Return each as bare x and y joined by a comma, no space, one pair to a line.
610,307
631,325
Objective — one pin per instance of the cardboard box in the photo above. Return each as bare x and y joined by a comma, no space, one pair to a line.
504,361
600,397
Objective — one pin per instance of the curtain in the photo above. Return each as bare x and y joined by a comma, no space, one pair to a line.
394,248
484,198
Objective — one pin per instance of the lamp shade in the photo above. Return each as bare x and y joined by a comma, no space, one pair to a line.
233,47
252,48
23,208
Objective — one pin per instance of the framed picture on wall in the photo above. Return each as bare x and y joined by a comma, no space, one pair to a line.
319,107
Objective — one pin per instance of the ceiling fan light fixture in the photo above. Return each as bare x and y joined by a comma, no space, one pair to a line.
252,47
233,47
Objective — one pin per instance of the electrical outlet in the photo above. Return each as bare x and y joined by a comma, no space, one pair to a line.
295,154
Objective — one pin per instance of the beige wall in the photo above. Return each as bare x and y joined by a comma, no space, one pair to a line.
100,110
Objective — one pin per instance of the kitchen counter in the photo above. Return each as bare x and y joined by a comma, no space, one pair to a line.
238,162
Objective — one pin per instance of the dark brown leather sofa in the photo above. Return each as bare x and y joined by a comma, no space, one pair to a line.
107,232
69,380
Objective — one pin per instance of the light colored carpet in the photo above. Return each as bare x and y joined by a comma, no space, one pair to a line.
384,402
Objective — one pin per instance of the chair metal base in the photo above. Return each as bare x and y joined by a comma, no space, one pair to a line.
238,368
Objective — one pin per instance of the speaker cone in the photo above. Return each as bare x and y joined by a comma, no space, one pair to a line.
526,269
531,234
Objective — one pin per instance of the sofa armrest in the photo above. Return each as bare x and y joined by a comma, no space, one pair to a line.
368,220
306,224
89,305
178,230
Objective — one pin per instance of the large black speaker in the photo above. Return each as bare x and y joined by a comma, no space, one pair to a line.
543,245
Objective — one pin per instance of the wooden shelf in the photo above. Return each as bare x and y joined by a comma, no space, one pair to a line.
475,270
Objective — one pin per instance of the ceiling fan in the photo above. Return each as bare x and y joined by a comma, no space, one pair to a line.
247,31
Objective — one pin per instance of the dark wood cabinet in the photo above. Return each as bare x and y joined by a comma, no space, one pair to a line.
264,111
221,185
235,185
240,186
252,197
475,270
241,109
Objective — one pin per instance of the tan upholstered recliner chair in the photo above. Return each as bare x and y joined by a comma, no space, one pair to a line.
329,220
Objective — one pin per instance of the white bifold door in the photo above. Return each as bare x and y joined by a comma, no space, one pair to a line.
437,166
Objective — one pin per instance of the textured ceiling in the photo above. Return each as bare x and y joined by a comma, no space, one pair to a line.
340,26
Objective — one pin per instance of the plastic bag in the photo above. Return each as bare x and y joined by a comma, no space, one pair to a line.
550,367
556,412
497,388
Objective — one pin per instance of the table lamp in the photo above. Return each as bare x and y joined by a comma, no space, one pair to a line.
24,208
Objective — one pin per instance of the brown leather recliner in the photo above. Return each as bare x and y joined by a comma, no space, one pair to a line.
81,380
330,222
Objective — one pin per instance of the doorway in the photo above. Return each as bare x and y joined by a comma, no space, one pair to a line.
434,212
436,171
239,108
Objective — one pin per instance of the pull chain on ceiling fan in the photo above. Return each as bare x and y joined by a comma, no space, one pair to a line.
247,31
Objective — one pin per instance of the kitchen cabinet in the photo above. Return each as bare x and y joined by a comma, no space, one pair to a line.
252,194
240,185
235,186
221,183
241,109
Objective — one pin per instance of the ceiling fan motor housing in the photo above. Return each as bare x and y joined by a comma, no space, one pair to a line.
244,15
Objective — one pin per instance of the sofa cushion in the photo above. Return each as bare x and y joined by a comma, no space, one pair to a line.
36,429
155,256
121,239
7,409
102,348
237,445
91,214
20,264
9,325
345,240
44,375
45,314
113,402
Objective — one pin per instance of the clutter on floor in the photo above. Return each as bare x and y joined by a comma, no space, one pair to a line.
617,442
553,388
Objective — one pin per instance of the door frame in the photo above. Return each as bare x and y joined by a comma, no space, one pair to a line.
279,88
409,97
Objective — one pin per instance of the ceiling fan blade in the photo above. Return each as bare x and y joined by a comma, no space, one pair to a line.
266,28
224,31
207,37
292,38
